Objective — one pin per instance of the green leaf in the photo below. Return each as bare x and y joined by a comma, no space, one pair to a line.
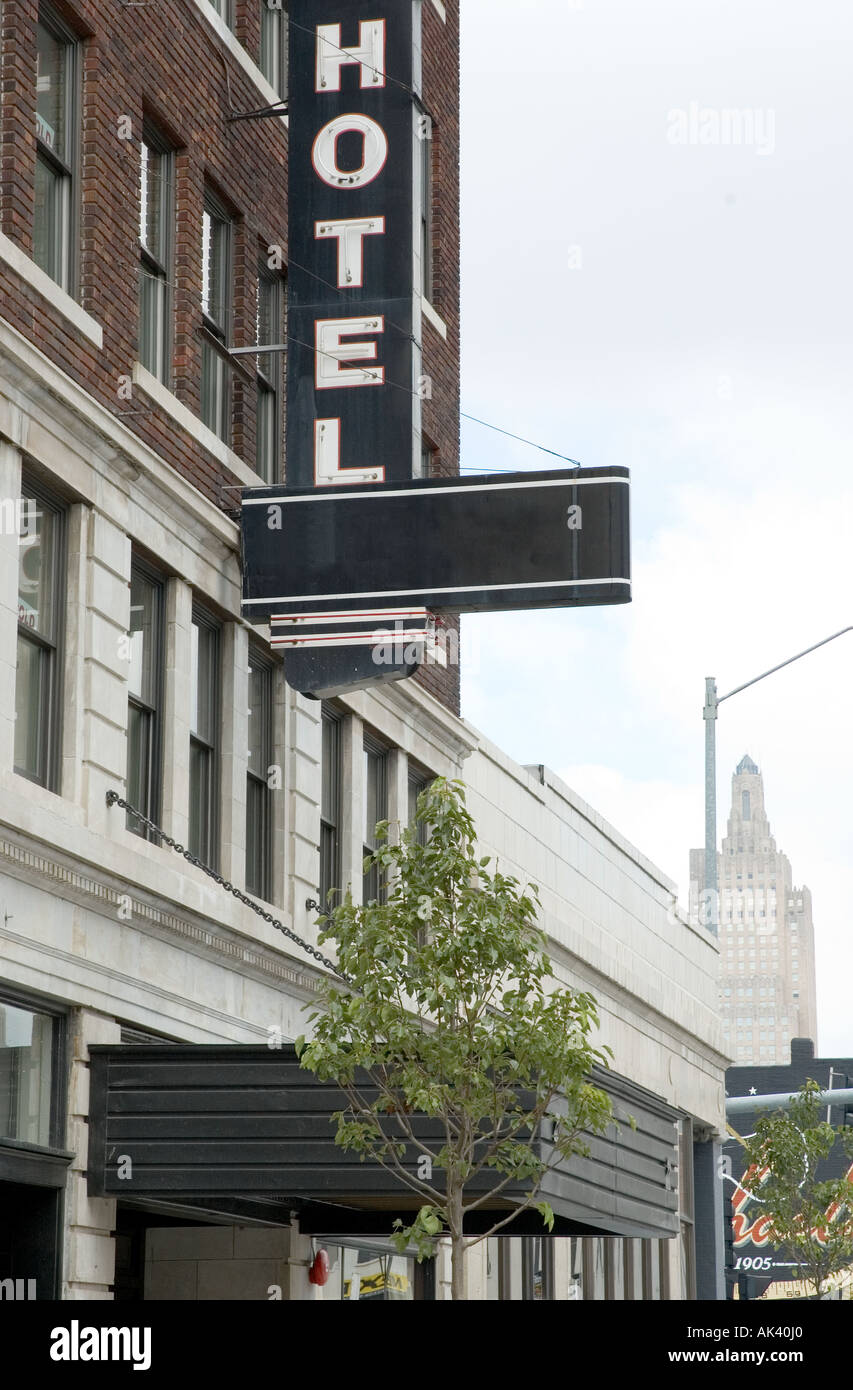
547,1214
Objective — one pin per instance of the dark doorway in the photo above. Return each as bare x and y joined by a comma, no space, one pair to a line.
30,1237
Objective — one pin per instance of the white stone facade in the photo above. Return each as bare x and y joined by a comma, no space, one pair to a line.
116,932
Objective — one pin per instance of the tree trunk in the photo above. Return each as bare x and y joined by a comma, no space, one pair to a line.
457,1246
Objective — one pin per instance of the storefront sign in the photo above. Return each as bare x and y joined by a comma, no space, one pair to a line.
457,545
753,1252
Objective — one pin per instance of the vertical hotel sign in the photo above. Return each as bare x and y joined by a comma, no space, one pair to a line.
350,399
350,361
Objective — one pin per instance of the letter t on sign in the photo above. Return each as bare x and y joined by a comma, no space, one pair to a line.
350,233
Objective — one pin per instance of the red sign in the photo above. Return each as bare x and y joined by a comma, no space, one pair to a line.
754,1227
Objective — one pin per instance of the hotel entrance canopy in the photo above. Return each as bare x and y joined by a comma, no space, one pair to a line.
229,1128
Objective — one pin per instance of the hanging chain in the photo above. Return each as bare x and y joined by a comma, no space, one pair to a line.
113,799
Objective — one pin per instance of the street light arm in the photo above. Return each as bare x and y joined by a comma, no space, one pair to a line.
764,674
712,704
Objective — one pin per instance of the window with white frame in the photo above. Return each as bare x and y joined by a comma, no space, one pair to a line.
204,738
424,154
217,233
330,807
258,794
145,694
225,10
418,782
57,114
375,809
41,602
269,369
274,43
156,216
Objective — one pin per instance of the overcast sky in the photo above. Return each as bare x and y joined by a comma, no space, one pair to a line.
640,289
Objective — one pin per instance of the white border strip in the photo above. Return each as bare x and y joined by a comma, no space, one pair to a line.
434,317
347,494
364,615
448,589
56,296
156,391
348,639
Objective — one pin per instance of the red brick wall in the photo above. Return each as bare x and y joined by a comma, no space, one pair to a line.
162,61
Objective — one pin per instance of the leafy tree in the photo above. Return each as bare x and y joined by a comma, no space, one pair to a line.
810,1219
453,1011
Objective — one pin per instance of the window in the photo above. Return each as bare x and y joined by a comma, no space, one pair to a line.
593,1268
629,1268
145,694
537,1269
417,783
56,139
269,330
428,459
204,742
498,1268
258,795
375,809
225,10
330,807
30,1108
425,147
41,565
156,215
372,1274
216,312
274,43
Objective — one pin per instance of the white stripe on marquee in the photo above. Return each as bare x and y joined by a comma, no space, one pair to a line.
449,589
348,639
350,495
350,615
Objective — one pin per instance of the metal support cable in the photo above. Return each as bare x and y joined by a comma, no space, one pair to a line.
113,799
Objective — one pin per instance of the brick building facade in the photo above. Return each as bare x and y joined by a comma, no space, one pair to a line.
114,103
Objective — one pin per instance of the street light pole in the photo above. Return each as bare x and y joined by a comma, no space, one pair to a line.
712,704
710,716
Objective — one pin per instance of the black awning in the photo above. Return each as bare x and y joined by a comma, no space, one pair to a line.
182,1122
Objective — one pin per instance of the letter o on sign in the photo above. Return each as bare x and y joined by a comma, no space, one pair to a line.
374,151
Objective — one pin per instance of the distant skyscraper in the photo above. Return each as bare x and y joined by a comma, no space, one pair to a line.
767,969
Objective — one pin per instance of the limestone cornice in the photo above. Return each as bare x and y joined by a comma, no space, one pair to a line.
126,905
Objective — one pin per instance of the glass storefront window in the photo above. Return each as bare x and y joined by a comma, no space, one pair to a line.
26,1043
369,1275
